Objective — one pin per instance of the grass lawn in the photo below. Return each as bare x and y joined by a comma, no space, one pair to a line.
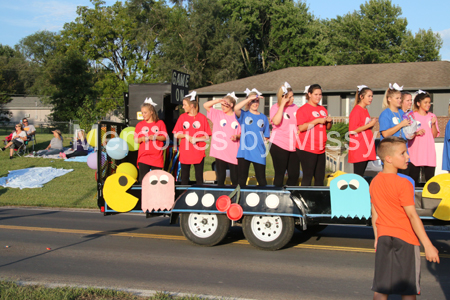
10,290
76,189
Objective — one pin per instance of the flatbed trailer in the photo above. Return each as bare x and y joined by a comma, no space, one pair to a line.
268,215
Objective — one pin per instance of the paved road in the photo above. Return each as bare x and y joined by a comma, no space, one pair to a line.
129,251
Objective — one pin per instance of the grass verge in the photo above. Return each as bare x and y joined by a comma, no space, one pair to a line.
13,291
76,189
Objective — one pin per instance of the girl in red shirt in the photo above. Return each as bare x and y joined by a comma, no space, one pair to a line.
192,129
313,122
361,145
150,134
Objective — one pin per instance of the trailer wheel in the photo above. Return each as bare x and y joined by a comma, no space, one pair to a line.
268,232
204,229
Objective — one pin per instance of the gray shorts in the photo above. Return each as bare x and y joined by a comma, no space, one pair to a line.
397,267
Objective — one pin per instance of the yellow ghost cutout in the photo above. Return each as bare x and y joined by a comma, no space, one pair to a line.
115,192
438,187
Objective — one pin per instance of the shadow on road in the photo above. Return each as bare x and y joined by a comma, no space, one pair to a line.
23,216
89,237
440,271
235,234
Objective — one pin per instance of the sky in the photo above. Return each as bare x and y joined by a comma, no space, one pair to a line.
20,18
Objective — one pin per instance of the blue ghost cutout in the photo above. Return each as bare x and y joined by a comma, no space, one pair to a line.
350,197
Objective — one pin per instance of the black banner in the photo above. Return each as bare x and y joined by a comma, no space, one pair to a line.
180,86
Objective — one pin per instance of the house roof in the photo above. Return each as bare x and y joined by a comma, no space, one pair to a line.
31,102
344,78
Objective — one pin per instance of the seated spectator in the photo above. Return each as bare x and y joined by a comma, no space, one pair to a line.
55,146
9,138
81,147
29,129
18,138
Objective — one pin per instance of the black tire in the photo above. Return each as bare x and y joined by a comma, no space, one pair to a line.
210,230
259,232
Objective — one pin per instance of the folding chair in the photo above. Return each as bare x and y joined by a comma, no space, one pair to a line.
21,151
29,143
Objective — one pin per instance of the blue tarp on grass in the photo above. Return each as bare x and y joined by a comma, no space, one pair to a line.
31,177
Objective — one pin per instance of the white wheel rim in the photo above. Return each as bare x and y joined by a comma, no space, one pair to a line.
202,225
266,228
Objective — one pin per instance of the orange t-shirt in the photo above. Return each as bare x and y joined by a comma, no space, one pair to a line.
389,193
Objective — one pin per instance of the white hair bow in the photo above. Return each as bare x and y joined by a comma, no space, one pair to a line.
360,87
421,92
150,101
232,95
285,88
247,91
306,89
396,87
192,95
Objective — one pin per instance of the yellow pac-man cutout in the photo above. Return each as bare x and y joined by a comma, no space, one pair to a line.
115,192
438,187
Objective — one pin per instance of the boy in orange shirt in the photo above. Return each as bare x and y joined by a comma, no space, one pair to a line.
397,226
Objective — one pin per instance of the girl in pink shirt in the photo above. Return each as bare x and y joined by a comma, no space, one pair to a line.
283,138
225,137
361,145
421,148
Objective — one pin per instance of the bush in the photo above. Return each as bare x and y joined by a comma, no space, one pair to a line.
336,133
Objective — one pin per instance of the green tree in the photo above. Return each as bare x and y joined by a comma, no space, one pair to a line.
13,68
199,41
296,38
108,38
38,47
423,46
73,80
376,34
278,34
372,35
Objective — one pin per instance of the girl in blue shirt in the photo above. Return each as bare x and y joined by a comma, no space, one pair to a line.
254,132
391,119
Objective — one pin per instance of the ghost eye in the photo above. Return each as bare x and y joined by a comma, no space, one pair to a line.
186,125
354,184
234,125
260,123
342,184
164,179
248,121
286,116
196,125
153,180
155,129
223,123
145,129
